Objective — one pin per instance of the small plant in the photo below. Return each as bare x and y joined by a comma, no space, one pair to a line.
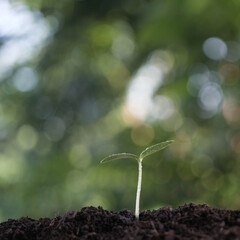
148,151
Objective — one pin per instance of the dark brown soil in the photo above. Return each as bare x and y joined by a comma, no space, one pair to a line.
185,222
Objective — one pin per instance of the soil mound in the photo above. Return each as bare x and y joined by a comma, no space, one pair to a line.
190,221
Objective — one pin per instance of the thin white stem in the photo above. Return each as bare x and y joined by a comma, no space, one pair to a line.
138,188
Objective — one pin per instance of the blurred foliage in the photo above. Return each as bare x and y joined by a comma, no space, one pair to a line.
80,80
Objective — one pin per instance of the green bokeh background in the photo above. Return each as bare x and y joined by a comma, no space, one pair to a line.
80,80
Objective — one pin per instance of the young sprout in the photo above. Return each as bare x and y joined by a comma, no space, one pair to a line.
148,151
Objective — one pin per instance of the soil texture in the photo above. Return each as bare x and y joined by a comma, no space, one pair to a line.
190,221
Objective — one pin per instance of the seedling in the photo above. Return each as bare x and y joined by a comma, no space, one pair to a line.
148,151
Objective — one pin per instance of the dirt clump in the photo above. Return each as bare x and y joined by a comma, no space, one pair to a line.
190,221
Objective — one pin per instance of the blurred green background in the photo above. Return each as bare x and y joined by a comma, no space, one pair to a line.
82,79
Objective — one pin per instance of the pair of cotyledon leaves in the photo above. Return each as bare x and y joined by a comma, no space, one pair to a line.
148,151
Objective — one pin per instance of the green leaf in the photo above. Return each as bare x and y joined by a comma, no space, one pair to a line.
119,156
155,148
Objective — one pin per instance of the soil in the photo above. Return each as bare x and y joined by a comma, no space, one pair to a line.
190,221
